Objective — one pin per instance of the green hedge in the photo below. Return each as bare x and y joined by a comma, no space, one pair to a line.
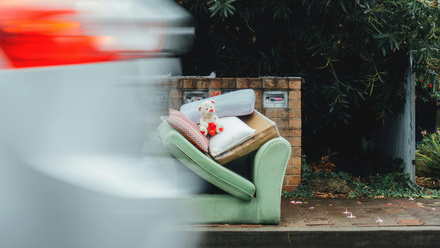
352,54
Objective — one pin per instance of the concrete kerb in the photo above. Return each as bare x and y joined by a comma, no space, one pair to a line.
411,237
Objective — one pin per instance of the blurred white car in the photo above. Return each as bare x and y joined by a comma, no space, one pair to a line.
59,32
79,83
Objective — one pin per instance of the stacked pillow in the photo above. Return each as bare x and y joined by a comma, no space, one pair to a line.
235,132
188,128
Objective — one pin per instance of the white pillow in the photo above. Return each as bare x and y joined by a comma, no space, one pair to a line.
235,103
235,132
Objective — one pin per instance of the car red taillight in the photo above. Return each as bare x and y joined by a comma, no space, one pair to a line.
40,37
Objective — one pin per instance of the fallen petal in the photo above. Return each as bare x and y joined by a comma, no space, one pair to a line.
311,207
351,216
346,212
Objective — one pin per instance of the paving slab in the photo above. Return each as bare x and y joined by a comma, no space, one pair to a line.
319,222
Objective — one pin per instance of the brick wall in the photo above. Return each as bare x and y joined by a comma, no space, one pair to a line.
288,119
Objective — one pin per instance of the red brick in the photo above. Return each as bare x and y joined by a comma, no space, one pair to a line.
294,113
281,123
269,83
294,95
290,132
228,83
243,83
258,94
202,83
295,123
175,83
269,113
287,132
189,83
296,151
275,83
255,83
295,83
292,179
215,83
175,94
289,170
295,161
258,103
294,141
282,83
295,104
285,179
282,113
293,170
289,138
296,133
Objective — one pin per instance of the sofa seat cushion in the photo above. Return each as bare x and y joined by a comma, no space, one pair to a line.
203,165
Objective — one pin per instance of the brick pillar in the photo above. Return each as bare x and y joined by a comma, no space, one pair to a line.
289,124
288,119
175,99
292,177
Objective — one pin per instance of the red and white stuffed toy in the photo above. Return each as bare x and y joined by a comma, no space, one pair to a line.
209,123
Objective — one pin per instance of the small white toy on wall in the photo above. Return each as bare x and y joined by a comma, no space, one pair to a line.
209,123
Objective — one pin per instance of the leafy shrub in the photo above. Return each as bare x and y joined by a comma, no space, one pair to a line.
324,165
429,156
390,184
395,184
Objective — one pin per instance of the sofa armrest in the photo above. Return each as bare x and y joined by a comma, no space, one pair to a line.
269,167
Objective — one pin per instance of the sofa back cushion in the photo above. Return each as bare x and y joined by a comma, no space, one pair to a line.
235,103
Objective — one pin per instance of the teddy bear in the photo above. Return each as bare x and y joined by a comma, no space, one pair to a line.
209,122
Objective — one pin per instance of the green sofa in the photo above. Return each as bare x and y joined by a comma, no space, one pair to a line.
247,190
